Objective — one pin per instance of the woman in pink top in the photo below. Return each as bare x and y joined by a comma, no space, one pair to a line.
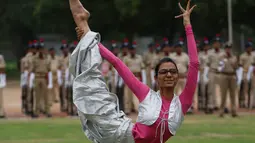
160,113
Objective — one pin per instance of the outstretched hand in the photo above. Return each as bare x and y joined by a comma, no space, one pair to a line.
186,13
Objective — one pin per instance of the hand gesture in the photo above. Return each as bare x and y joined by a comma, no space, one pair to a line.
186,13
79,32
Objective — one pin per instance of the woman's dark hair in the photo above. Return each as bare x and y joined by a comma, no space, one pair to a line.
164,60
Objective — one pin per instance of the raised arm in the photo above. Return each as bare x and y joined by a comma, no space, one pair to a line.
187,94
137,87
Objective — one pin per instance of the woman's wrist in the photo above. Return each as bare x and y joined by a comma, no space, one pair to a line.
186,23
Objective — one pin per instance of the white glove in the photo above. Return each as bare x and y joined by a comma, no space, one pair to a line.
249,74
50,83
144,78
205,75
153,82
59,74
198,77
31,80
116,75
221,66
2,80
120,83
239,75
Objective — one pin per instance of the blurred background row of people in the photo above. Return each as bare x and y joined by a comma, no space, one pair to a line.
45,79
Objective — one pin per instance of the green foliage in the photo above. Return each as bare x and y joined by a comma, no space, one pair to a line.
24,19
12,71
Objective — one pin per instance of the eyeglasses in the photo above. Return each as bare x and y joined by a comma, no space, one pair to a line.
165,71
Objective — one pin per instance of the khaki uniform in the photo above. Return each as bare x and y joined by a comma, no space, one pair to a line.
136,65
24,66
148,62
203,57
245,62
214,78
71,109
120,84
182,62
228,82
30,96
63,91
155,60
2,71
54,67
41,67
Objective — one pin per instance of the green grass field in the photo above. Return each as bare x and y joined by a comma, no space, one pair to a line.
196,129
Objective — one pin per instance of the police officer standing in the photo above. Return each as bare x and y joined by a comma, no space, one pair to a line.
2,84
228,65
64,60
24,67
119,81
182,61
213,75
135,63
246,60
31,96
203,60
69,85
112,74
41,68
148,62
54,67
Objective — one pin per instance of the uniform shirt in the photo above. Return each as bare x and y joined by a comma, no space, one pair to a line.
121,56
24,64
230,63
246,61
148,59
64,64
30,58
214,59
155,60
182,62
41,66
54,63
135,64
203,60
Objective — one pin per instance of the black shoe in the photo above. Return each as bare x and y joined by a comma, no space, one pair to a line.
48,115
226,111
209,111
216,108
34,116
2,117
234,115
43,112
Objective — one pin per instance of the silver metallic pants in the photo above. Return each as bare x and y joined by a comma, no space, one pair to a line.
98,109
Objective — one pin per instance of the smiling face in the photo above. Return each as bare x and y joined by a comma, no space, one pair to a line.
167,75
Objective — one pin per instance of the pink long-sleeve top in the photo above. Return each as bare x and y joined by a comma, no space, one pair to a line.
149,134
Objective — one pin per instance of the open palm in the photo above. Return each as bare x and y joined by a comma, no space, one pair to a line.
186,13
